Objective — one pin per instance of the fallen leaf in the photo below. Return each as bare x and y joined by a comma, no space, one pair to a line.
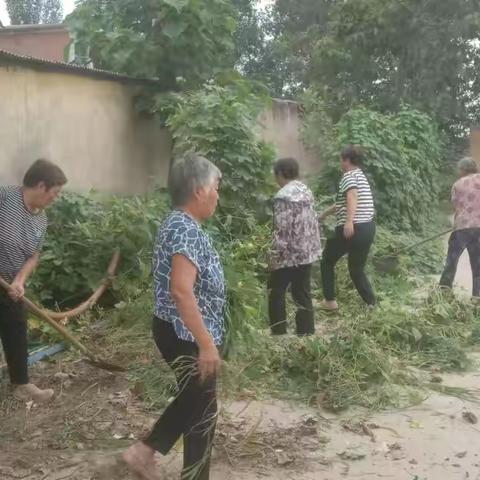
415,424
470,417
352,454
284,459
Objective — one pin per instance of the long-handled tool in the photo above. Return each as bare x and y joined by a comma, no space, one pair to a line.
389,263
91,357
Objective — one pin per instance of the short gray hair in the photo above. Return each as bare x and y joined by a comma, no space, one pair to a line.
467,165
188,174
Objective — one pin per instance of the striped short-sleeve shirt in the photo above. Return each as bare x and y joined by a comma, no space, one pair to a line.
21,232
365,207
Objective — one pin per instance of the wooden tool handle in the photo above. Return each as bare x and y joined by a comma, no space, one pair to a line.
429,239
56,326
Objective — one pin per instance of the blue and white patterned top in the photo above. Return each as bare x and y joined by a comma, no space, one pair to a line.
181,234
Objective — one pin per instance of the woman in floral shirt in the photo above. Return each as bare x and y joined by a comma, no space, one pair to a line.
296,245
466,234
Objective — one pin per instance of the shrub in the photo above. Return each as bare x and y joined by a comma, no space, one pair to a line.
221,123
402,160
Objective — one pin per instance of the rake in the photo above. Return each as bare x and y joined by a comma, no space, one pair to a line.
389,263
91,357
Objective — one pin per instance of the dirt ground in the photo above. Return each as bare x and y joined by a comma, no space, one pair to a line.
95,416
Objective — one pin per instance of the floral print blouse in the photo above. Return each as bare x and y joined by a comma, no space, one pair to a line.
296,235
466,202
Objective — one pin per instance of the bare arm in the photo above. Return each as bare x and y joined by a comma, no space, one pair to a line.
352,202
329,211
182,281
17,288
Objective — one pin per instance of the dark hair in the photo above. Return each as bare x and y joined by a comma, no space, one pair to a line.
43,171
288,168
353,153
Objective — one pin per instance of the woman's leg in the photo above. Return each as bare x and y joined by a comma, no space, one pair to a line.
277,288
334,250
456,246
13,333
302,296
358,251
474,255
194,410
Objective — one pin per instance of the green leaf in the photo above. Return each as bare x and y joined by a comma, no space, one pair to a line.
179,5
417,334
174,29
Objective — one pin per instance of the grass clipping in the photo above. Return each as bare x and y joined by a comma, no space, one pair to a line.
374,358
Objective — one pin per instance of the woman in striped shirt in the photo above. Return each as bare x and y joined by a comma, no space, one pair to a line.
355,230
23,224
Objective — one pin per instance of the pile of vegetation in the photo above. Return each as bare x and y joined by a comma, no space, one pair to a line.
366,357
363,357
360,86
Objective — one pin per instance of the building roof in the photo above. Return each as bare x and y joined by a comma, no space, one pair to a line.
43,27
51,66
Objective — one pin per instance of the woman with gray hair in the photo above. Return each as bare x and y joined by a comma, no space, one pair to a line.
188,326
466,234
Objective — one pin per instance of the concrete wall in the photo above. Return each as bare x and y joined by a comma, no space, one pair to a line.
86,125
89,127
41,42
281,125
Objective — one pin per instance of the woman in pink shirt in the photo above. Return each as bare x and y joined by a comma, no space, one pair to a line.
466,234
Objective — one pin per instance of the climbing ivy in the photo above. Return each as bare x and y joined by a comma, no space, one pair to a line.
221,122
403,154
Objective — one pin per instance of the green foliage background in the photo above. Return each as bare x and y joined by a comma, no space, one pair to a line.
403,159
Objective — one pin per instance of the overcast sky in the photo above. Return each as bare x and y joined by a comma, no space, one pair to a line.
67,7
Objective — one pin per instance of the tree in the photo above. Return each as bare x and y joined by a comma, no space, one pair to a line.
284,56
265,56
52,11
180,42
31,12
384,53
24,12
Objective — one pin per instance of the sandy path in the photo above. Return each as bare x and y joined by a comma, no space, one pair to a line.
463,280
95,416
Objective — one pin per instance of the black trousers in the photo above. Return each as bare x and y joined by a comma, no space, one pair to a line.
469,239
193,413
13,333
357,248
299,279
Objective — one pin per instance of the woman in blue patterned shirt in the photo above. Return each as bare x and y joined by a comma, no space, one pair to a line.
188,326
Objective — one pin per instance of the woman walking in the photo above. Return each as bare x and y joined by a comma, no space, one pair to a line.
354,232
188,326
296,245
466,234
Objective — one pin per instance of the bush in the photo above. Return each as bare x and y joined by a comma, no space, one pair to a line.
82,235
221,123
402,160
